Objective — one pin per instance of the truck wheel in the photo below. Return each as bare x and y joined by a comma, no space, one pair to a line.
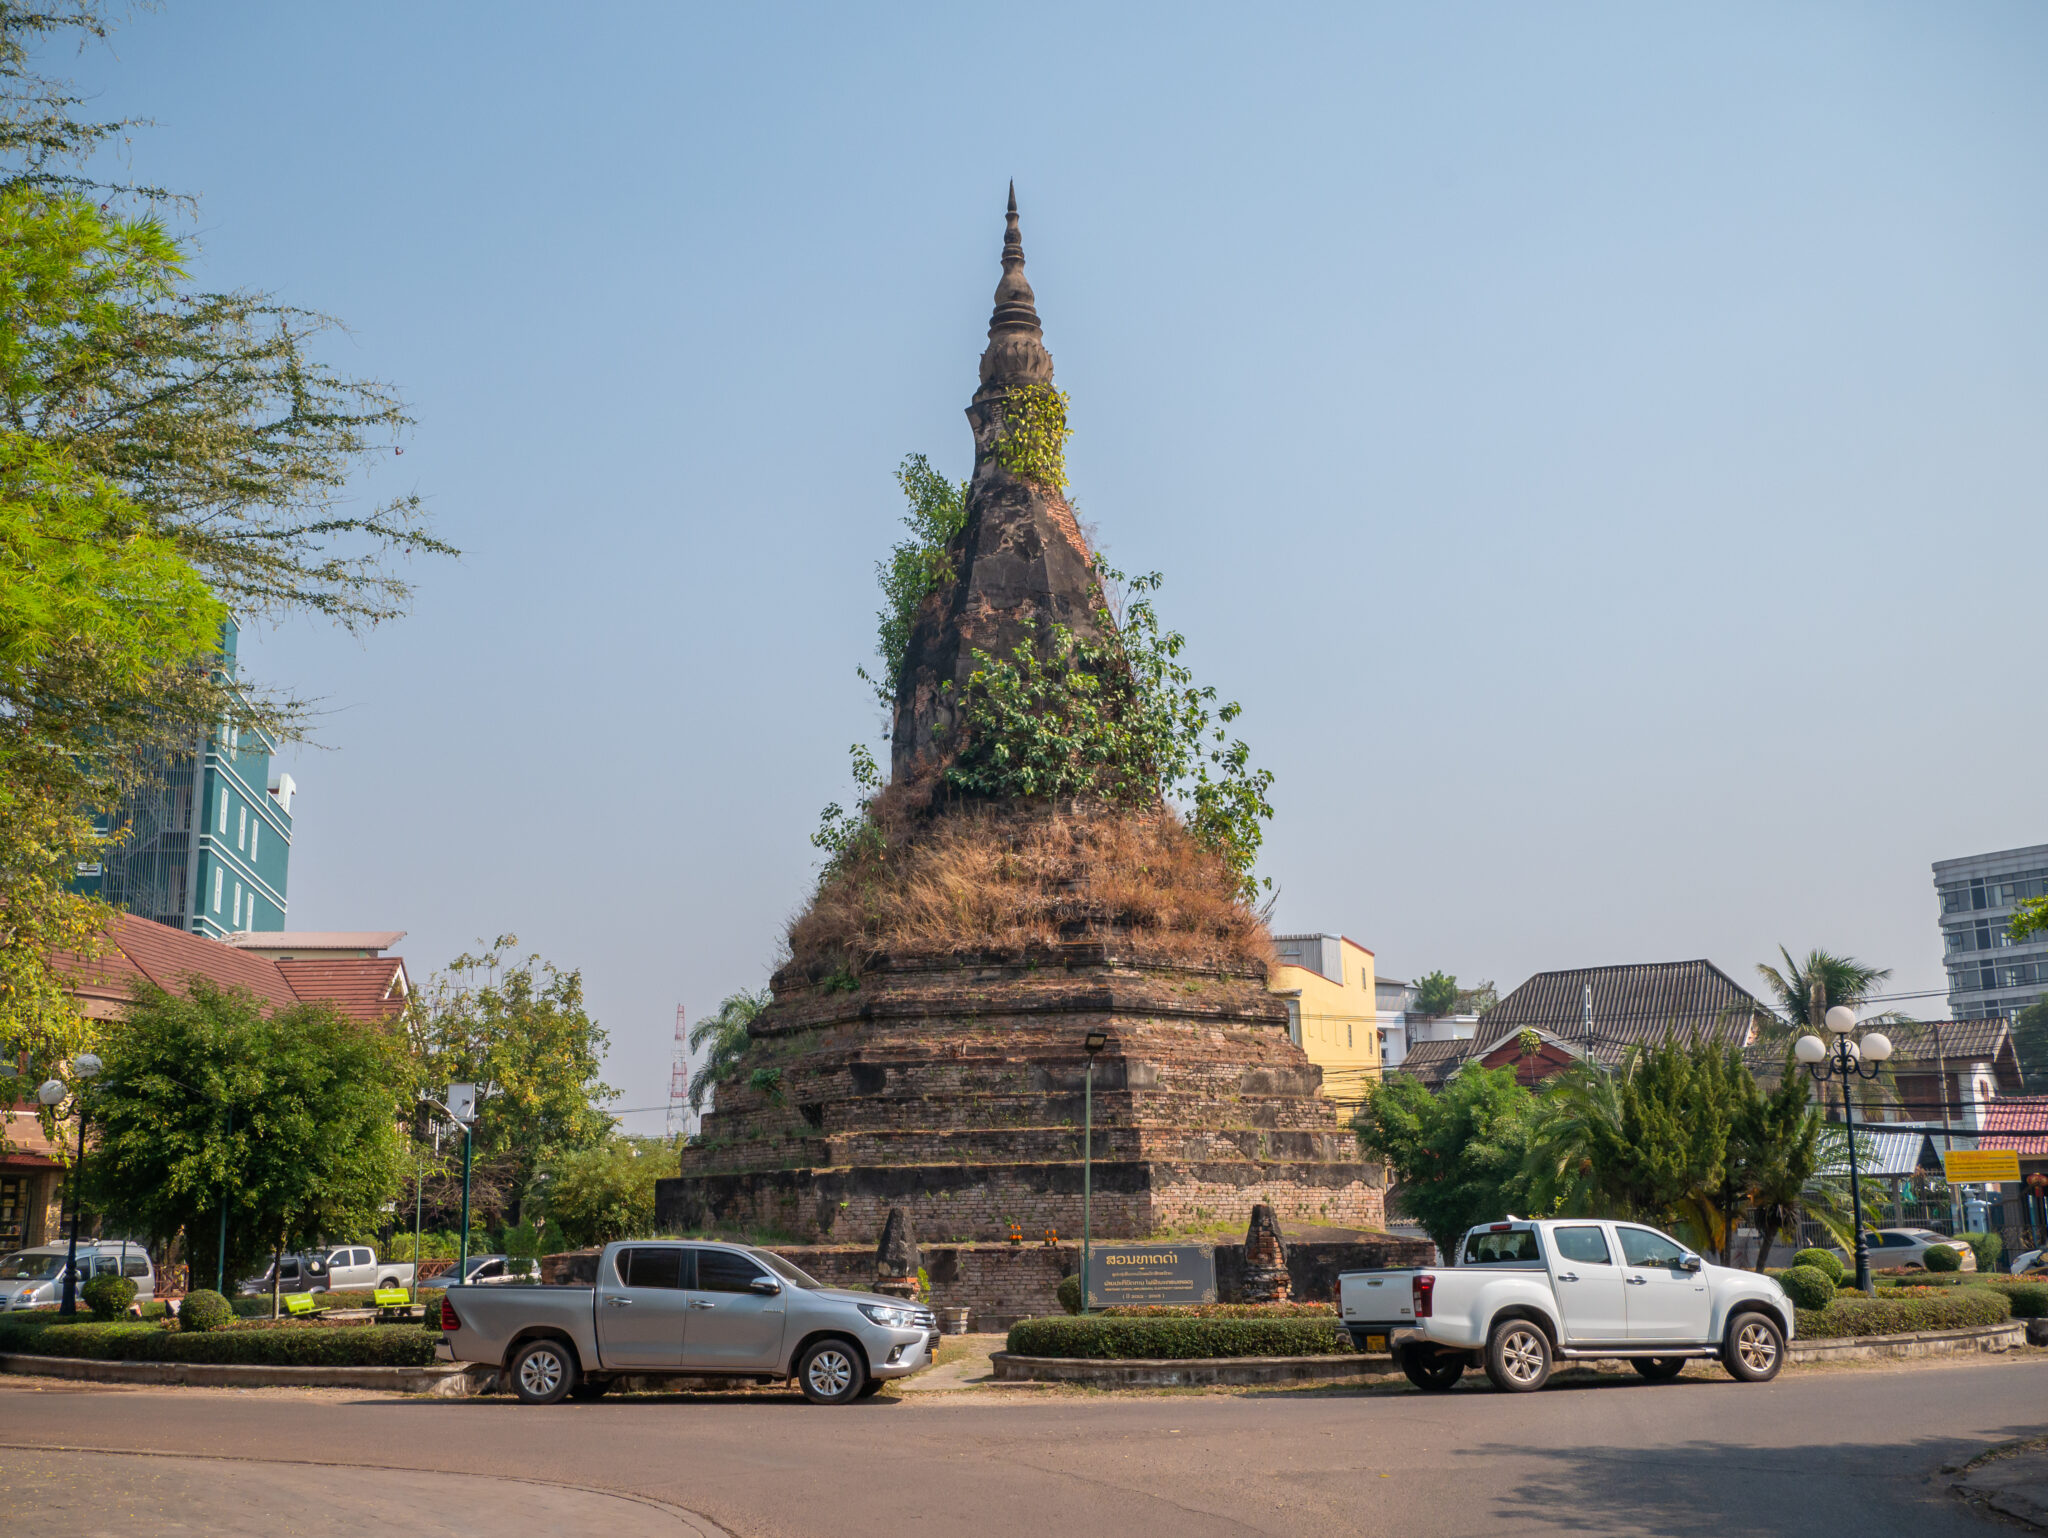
1658,1369
389,1283
1430,1370
1517,1357
1754,1349
831,1372
543,1372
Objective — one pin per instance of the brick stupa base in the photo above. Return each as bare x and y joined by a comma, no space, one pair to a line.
953,1088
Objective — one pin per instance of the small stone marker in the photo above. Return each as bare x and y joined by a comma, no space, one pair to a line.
1265,1259
896,1258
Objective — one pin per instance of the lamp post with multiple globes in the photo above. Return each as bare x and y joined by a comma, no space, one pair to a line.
1841,1058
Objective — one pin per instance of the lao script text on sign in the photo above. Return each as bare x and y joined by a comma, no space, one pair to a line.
1960,1166
1155,1273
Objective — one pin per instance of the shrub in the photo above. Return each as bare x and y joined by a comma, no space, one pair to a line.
203,1311
1808,1286
2029,1300
292,1346
1902,1311
1941,1258
1222,1311
1069,1293
1825,1261
1925,1279
108,1296
1178,1338
1987,1246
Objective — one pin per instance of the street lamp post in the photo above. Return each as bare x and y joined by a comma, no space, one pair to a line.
1846,1060
1092,1043
462,1106
220,1278
50,1093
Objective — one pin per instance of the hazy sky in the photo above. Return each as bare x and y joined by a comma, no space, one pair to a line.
1602,446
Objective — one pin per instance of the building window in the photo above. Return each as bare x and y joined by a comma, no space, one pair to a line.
242,830
238,905
1348,1040
216,888
223,812
255,834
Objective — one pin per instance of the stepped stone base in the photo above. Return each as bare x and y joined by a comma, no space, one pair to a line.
955,1088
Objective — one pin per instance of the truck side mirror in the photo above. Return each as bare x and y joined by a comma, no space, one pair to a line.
1691,1263
766,1285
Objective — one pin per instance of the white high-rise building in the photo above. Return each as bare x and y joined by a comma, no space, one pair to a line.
1987,973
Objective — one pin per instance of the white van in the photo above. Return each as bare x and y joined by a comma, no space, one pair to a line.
35,1278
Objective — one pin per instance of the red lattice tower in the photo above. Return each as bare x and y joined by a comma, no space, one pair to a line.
679,1080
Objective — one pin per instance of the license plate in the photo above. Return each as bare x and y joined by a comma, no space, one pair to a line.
1375,1343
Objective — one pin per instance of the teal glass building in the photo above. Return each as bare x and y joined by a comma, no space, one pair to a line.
207,842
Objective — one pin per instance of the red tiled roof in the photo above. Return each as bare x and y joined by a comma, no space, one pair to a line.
2028,1111
139,951
364,987
22,1144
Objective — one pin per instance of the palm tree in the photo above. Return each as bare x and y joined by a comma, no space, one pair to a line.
1842,980
725,1029
1779,1148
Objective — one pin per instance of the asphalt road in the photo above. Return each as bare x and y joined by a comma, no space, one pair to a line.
1844,1451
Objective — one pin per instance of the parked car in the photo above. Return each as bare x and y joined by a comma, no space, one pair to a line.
501,1271
1527,1294
339,1268
35,1278
2030,1260
696,1309
1891,1248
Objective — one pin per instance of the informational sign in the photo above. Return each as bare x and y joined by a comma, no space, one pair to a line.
1980,1166
1151,1273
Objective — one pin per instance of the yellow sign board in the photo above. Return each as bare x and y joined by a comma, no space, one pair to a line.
1980,1165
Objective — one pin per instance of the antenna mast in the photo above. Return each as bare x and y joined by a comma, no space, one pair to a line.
679,1081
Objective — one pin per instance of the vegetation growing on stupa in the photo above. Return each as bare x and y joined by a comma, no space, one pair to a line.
1033,443
917,566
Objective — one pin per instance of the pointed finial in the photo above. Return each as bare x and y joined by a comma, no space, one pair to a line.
1016,350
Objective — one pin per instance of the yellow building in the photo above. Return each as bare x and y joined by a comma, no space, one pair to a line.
1332,1009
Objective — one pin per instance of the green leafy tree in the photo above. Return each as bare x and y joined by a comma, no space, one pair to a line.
289,1118
722,1036
1780,1147
1456,1155
2031,919
2030,1041
520,1032
1437,994
917,566
606,1192
1120,719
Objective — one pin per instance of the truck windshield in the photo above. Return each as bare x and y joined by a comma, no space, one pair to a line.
28,1267
784,1269
1485,1248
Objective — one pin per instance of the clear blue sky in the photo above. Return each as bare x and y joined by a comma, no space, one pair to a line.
1601,445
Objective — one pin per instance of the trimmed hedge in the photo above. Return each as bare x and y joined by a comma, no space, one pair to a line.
1941,1257
2029,1300
108,1296
1808,1286
1069,1293
1178,1338
299,1346
1220,1311
1825,1261
202,1311
1899,1315
1987,1246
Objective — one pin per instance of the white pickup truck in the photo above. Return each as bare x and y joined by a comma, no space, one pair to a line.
1526,1294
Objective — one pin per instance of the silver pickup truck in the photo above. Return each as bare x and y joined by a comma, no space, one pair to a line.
688,1309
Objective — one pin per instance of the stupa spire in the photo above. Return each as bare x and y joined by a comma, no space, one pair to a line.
1016,345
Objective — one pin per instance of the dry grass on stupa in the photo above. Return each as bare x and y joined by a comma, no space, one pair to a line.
979,880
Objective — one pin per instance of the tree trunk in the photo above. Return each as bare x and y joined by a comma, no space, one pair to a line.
1766,1236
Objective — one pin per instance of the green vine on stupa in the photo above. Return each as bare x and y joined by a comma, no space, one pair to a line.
1033,443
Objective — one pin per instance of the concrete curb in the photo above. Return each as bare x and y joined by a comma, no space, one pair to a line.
438,1380
1873,1348
1127,1372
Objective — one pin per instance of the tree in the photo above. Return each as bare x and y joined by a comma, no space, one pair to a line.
522,1035
1437,994
1457,1155
606,1192
2030,1042
1780,1144
917,567
722,1037
2030,919
289,1118
1842,980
